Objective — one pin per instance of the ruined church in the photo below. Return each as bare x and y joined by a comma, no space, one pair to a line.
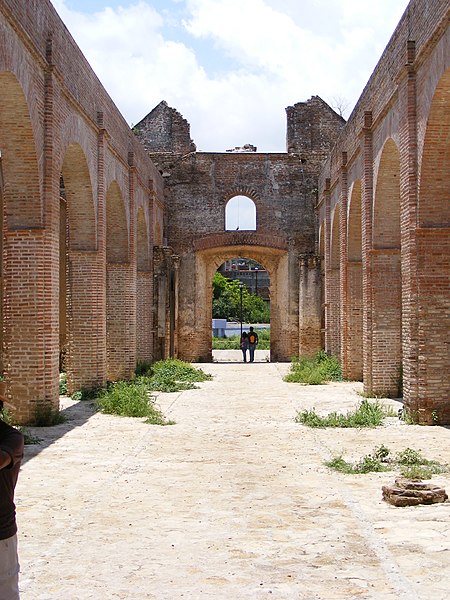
111,236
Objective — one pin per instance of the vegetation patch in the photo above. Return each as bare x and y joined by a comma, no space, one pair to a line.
62,384
412,464
314,370
131,399
366,414
46,415
172,375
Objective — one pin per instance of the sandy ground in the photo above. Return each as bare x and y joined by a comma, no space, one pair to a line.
231,502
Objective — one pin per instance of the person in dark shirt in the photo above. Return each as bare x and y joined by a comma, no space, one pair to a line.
252,342
11,453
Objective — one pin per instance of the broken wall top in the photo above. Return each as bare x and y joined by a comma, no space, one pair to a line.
164,129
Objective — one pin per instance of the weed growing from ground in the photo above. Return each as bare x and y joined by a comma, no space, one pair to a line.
411,463
173,375
315,370
367,414
367,464
407,416
62,384
130,399
28,437
87,394
47,416
143,368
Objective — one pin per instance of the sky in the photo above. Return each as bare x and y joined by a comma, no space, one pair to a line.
231,67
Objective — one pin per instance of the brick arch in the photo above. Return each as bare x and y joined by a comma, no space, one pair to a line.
322,282
242,190
240,238
433,251
434,191
284,343
335,238
82,288
82,223
333,294
117,246
23,260
386,285
354,231
144,290
354,285
21,188
143,245
119,285
386,212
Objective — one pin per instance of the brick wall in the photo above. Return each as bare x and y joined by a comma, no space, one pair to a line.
57,119
395,148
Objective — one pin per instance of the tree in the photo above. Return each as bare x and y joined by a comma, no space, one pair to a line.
227,302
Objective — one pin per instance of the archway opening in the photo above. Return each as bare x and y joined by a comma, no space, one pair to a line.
386,277
433,273
333,315
240,300
79,290
354,341
240,214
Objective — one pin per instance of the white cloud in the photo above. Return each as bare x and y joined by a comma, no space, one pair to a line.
281,53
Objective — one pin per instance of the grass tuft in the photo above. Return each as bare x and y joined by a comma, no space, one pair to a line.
411,463
314,370
130,399
47,416
367,414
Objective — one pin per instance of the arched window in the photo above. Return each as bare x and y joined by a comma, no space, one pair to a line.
240,214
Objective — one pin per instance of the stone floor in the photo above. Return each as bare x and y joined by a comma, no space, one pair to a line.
231,502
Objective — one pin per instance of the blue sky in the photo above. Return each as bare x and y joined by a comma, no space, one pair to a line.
231,67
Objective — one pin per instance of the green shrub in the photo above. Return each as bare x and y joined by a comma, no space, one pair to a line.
367,464
125,399
412,464
131,399
173,375
314,370
412,461
87,394
143,368
62,384
47,416
416,472
367,414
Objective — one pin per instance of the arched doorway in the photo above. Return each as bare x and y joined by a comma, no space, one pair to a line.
240,299
433,271
386,277
119,324
354,283
27,325
81,287
333,292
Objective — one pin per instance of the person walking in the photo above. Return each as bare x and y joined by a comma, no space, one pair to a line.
252,343
11,453
243,344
